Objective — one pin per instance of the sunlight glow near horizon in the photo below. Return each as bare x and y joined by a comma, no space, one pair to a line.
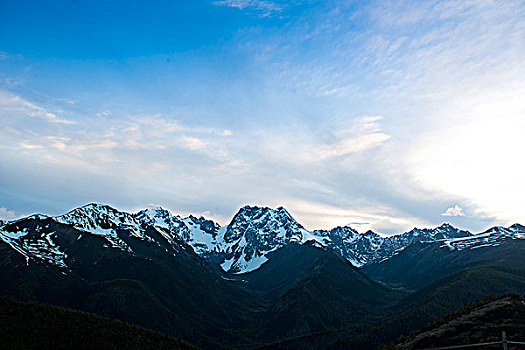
483,153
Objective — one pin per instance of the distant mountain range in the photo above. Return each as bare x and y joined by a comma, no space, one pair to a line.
262,279
244,244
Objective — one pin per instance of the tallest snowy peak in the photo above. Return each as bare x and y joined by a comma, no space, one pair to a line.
256,231
264,214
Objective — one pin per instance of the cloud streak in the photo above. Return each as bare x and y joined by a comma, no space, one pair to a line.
263,8
13,103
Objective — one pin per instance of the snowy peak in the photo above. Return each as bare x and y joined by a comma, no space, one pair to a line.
341,232
33,237
349,243
517,228
262,221
256,231
494,236
154,216
200,233
108,222
445,231
370,247
208,227
93,216
158,217
105,221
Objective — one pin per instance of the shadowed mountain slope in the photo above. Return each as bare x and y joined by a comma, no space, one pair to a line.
313,290
416,310
422,263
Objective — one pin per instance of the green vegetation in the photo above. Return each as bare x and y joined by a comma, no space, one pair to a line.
480,321
330,293
29,325
417,310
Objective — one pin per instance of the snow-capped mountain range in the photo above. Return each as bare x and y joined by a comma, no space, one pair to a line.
240,247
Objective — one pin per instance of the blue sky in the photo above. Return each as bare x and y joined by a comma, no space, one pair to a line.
383,115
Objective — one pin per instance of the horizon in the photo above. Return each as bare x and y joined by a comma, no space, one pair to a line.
380,116
222,224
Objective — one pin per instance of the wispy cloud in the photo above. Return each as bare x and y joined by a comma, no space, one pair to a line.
6,214
193,143
69,145
263,8
13,103
104,113
294,146
364,134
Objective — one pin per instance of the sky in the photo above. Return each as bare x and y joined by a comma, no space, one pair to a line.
382,115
